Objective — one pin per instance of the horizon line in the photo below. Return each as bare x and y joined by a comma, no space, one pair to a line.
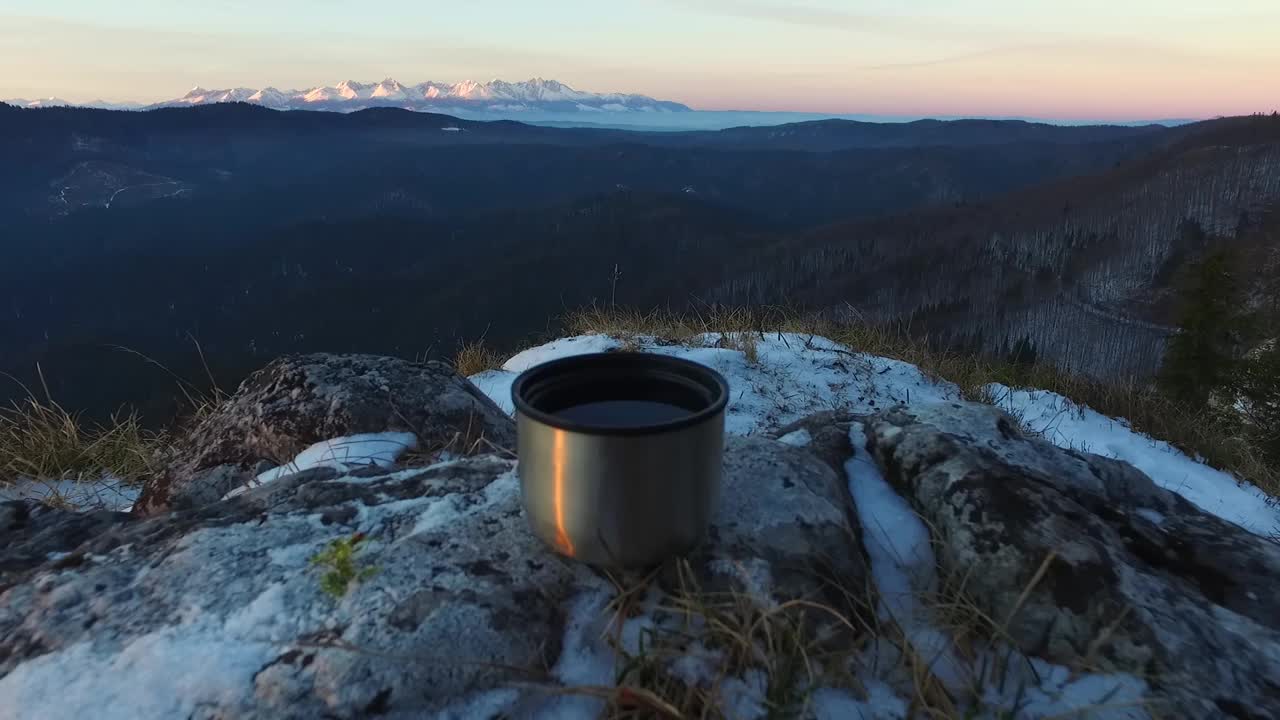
601,119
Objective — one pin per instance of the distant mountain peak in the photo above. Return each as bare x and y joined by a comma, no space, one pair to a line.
496,95
536,94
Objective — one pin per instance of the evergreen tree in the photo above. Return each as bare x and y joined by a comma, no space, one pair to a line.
1201,357
1256,387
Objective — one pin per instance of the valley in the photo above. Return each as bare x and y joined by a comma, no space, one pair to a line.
256,233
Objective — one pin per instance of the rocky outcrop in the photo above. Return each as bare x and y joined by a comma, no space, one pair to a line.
225,609
1089,564
300,400
409,591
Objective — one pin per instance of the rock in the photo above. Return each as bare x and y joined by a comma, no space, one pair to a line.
217,611
1135,578
202,487
825,434
785,512
300,400
33,534
460,595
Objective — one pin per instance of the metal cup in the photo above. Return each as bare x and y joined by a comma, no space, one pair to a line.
622,485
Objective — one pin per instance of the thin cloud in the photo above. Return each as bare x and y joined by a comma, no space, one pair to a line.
830,18
1091,47
950,59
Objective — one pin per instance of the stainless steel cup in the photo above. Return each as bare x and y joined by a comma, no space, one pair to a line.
620,454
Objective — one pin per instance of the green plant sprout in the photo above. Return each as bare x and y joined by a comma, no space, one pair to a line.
338,560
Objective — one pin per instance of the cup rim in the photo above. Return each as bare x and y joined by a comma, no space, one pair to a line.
708,378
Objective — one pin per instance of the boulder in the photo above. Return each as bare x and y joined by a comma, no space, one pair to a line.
300,400
1089,563
222,610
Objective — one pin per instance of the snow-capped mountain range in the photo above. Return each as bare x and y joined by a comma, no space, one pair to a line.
495,96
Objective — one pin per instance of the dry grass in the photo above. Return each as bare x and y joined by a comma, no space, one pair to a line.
791,647
1196,432
985,647
666,326
41,440
798,646
746,343
475,358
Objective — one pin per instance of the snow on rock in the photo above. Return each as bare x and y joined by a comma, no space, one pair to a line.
797,438
1033,688
343,454
152,676
297,401
556,349
903,567
1076,427
107,493
902,563
792,377
497,383
1053,546
222,615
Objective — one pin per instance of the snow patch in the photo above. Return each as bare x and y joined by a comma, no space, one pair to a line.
106,493
447,509
585,659
881,704
1072,426
797,438
164,674
744,698
902,562
1033,688
342,454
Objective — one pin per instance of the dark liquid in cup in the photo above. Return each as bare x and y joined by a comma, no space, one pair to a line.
623,413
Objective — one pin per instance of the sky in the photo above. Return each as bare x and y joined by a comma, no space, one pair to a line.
1094,59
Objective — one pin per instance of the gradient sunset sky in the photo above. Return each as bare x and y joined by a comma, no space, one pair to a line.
1096,59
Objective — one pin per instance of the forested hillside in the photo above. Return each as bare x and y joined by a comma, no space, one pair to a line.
1081,267
257,233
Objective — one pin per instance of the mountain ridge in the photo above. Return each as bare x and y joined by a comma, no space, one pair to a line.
534,94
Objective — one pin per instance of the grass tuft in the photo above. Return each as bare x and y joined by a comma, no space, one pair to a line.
746,343
40,440
475,358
